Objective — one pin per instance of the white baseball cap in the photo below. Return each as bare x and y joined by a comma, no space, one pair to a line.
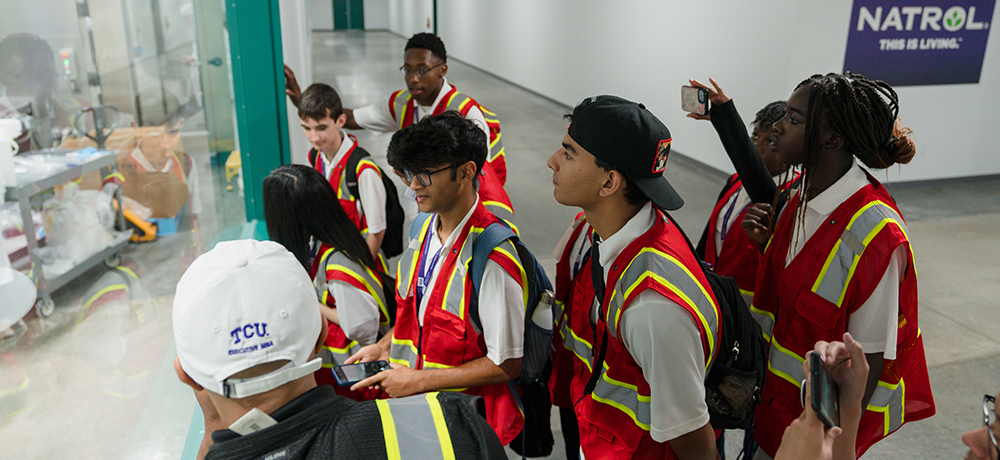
242,304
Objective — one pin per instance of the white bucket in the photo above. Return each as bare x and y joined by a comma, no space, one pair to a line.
9,130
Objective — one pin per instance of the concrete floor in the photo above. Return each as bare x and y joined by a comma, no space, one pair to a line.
76,364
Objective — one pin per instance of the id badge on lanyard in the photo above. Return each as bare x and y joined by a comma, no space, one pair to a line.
427,270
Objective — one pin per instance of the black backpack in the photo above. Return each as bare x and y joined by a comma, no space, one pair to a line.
735,379
392,242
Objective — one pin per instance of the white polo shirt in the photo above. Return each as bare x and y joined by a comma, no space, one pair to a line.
371,203
377,117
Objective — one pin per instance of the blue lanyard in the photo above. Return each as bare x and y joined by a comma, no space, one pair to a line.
426,271
729,212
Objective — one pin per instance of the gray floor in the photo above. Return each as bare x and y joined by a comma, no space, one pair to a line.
73,361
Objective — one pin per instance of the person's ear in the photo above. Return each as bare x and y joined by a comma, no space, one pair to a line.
444,69
467,172
614,182
342,120
831,140
184,377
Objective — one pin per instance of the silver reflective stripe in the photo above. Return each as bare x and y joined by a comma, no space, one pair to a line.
496,147
890,402
399,105
454,300
623,398
672,273
373,284
335,356
403,353
414,428
765,321
500,211
785,364
405,270
578,346
848,250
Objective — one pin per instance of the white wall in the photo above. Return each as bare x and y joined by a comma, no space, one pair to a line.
408,17
376,14
321,14
758,51
296,44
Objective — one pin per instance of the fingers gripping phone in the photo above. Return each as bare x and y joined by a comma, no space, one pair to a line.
825,394
694,100
349,374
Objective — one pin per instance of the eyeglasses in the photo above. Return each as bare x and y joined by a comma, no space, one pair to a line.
420,73
989,416
424,177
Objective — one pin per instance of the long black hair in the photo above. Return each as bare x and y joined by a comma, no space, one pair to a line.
300,204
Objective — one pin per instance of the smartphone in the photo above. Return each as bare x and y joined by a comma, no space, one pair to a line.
694,100
825,395
349,374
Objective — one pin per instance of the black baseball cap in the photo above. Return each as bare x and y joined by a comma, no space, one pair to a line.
627,136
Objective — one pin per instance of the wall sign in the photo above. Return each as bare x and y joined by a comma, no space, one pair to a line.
919,42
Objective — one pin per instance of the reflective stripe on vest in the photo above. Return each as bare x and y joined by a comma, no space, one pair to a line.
401,107
580,347
496,146
403,352
785,364
889,399
405,422
337,356
672,274
765,319
624,397
367,278
833,279
503,212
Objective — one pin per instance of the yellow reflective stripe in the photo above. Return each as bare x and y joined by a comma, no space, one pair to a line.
114,176
447,451
765,319
377,294
701,317
388,430
416,253
883,399
447,292
128,272
576,338
499,205
632,389
113,287
464,103
524,275
452,98
779,352
401,351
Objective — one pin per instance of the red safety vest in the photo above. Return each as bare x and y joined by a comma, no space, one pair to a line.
734,260
812,299
494,197
448,338
338,180
402,110
615,419
338,266
573,353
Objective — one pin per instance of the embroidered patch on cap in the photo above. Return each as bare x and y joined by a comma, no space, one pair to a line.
662,151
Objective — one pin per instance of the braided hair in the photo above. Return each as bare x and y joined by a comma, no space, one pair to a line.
866,115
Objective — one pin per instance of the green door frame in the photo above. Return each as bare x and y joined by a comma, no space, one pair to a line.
259,88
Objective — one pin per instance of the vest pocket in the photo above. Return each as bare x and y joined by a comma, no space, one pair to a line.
820,312
444,340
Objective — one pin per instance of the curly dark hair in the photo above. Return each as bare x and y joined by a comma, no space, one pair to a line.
449,138
769,115
430,42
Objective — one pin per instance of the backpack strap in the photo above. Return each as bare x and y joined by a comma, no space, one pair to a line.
312,157
351,170
490,238
418,224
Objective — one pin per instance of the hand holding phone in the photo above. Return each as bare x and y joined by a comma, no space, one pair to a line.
349,374
825,395
694,100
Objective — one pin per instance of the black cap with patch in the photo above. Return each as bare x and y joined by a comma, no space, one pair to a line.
627,136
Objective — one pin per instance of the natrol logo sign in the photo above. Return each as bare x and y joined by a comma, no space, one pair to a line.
919,42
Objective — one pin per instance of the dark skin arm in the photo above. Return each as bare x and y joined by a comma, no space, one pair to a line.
294,94
696,445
